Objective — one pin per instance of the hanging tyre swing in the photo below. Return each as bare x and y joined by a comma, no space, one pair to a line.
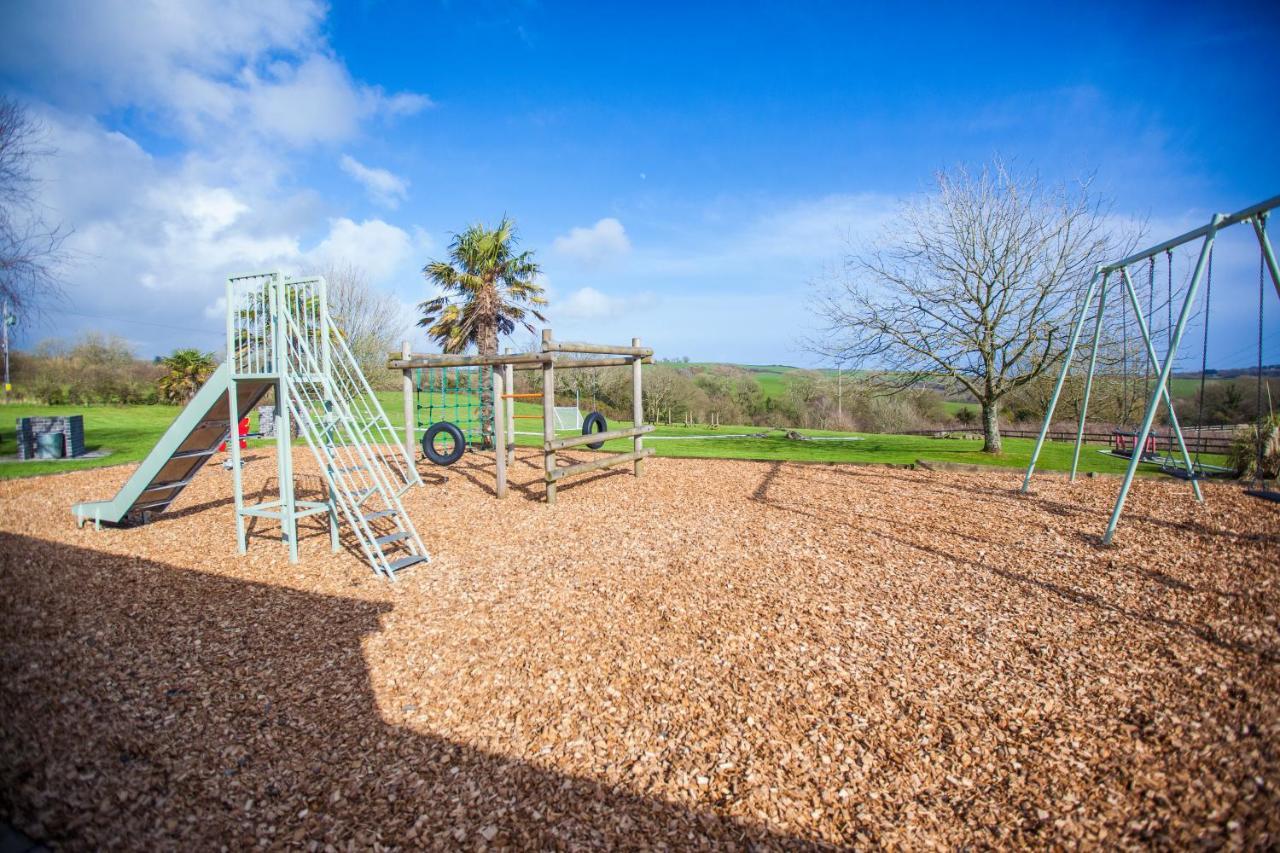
443,443
592,423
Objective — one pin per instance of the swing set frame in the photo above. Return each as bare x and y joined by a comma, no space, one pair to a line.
1255,215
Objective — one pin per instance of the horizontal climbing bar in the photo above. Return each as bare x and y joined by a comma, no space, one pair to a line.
597,464
594,437
399,362
603,349
571,363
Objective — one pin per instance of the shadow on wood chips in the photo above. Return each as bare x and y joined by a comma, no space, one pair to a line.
241,713
1067,594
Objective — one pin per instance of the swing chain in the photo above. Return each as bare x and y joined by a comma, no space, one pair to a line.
1260,421
1124,360
1204,356
1151,304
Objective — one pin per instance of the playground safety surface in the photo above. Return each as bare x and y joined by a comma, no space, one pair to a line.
717,654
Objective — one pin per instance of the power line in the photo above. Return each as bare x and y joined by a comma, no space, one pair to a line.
144,323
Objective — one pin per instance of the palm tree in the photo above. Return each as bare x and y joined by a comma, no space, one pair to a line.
486,289
186,370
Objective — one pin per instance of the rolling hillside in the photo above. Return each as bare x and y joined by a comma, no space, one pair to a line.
773,379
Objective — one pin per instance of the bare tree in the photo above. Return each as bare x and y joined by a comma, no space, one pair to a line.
372,322
977,286
30,248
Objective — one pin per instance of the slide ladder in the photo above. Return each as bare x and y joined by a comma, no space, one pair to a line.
369,419
195,435
363,467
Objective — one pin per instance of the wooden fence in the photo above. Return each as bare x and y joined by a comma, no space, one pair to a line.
1211,439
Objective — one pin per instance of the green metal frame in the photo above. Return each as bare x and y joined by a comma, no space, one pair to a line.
1256,215
280,336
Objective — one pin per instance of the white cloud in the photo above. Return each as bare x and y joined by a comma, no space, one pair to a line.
214,71
375,246
383,186
594,246
245,88
216,310
587,303
402,103
154,240
795,239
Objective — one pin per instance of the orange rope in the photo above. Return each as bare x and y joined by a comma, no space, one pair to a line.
527,417
519,396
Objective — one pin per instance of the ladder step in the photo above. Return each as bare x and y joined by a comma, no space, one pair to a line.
350,469
406,562
160,487
187,454
360,497
151,505
391,537
382,513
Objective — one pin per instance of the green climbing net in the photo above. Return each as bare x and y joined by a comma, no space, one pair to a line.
450,394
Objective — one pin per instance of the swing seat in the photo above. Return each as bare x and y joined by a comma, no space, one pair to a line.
1123,443
1199,471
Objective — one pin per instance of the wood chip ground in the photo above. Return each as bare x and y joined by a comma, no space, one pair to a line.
719,654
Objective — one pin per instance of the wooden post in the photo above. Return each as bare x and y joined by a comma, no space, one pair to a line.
499,428
410,414
509,382
637,407
548,417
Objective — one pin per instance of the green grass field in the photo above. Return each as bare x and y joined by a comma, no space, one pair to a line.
773,380
130,431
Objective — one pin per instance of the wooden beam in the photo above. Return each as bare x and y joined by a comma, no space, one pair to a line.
571,363
410,414
596,465
637,408
619,361
509,382
402,362
549,417
592,438
603,349
497,380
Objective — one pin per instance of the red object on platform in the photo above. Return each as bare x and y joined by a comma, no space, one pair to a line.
244,430
1125,441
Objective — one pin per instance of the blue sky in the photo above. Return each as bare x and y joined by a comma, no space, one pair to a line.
684,171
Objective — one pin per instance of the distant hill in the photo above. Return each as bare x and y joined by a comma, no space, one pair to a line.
773,377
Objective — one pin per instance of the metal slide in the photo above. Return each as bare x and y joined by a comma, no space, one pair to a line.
191,439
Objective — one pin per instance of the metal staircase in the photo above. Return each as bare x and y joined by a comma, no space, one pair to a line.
344,429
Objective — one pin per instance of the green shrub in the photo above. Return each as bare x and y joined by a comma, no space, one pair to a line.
1243,455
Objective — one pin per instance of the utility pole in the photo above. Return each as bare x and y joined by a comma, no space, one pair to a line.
6,320
839,392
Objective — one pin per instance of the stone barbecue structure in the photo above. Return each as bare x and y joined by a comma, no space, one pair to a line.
70,426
